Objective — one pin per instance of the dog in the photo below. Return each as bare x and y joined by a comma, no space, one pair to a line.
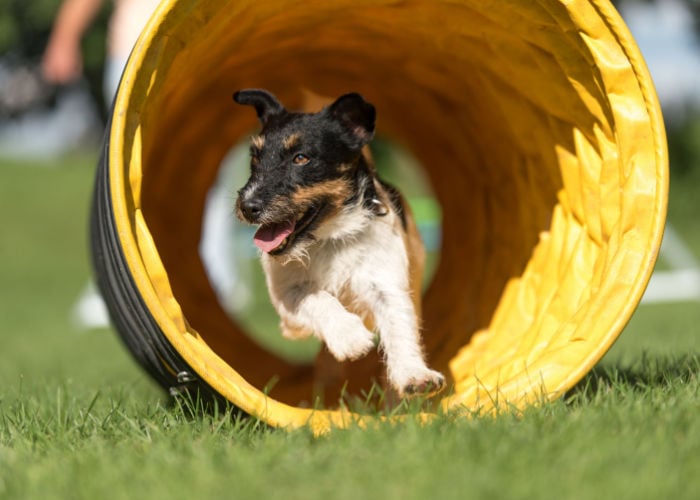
339,247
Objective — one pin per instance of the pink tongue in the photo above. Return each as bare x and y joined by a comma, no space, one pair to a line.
270,236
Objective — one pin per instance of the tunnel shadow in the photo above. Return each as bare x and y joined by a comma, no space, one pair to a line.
647,373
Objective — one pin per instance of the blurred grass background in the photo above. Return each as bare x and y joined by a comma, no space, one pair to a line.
44,265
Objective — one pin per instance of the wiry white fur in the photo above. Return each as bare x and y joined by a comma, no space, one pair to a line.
352,278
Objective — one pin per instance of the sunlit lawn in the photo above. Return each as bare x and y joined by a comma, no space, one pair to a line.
78,419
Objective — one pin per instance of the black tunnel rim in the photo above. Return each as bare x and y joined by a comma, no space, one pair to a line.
131,318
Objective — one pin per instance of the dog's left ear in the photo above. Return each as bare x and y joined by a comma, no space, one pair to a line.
356,115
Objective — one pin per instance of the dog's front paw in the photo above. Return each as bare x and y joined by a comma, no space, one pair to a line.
350,341
423,382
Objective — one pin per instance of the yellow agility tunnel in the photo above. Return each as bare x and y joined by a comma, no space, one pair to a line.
536,122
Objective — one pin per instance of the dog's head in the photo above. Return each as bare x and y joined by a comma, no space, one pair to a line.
303,168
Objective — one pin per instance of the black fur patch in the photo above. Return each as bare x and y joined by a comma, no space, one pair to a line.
297,151
397,202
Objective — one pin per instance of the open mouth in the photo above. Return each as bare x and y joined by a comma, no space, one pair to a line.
274,238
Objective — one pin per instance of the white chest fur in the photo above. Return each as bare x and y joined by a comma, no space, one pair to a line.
370,257
353,279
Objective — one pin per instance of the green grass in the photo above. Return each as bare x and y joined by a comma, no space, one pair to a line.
79,420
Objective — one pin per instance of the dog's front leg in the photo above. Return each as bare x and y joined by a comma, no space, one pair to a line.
318,311
397,323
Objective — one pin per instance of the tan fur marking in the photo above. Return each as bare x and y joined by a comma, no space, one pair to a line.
416,261
258,141
337,189
291,140
414,248
367,154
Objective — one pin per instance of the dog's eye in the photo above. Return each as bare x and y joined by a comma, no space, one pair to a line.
300,159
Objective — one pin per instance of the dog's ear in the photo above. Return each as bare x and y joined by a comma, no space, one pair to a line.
356,115
265,104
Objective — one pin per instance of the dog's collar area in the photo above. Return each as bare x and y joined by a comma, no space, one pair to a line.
377,207
371,200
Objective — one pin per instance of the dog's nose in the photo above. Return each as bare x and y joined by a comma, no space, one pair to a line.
251,208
